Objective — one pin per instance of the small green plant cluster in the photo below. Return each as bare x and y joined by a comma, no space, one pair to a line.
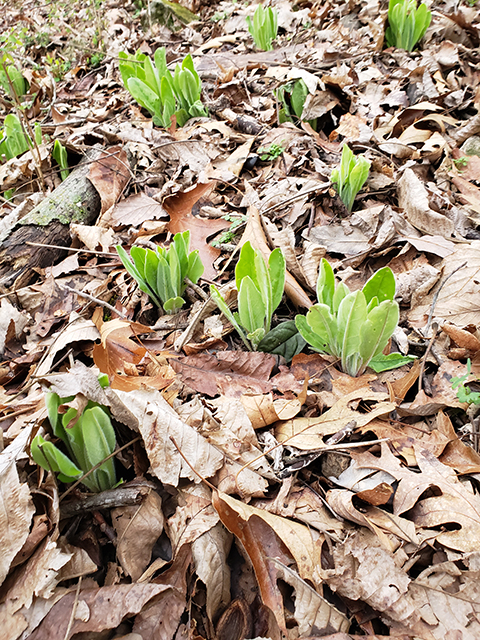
291,97
260,289
351,176
263,27
354,327
60,156
270,153
11,79
89,438
406,24
13,139
464,392
162,273
162,94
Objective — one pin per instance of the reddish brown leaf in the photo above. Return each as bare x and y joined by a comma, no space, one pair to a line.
180,208
229,373
110,175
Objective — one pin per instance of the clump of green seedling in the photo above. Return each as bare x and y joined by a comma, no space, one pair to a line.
162,273
260,289
406,24
292,97
352,326
464,392
162,94
270,153
13,139
59,154
263,27
351,176
89,438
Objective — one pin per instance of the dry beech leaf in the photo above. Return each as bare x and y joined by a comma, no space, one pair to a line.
109,175
229,373
377,520
133,212
462,338
307,433
193,517
16,510
179,207
138,528
314,614
413,198
124,600
263,533
209,553
160,618
263,410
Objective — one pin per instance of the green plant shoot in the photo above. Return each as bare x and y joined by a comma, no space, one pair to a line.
406,24
354,327
464,392
13,140
351,176
162,273
89,439
292,97
162,94
270,153
260,289
11,79
264,27
60,156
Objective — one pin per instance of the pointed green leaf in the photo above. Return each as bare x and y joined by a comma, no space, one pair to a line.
251,307
325,284
381,285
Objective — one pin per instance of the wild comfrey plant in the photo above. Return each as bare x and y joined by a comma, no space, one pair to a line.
162,94
88,437
162,273
260,289
264,27
351,176
406,24
354,327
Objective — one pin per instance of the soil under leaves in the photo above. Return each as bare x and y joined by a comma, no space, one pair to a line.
260,498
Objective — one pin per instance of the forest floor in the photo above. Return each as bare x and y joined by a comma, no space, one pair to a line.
251,494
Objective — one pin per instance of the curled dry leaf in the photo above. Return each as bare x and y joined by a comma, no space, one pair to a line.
209,553
138,528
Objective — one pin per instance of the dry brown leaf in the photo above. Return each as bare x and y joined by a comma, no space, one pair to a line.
262,410
458,301
307,433
209,553
266,537
378,521
179,207
159,620
138,528
124,600
462,338
193,517
230,373
110,175
413,198
133,212
16,510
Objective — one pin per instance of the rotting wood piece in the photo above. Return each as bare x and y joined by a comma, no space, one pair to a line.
74,200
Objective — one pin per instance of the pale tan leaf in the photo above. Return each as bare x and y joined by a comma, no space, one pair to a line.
307,433
413,198
193,517
107,607
209,553
138,528
16,510
313,613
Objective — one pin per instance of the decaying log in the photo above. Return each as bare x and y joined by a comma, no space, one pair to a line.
75,200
